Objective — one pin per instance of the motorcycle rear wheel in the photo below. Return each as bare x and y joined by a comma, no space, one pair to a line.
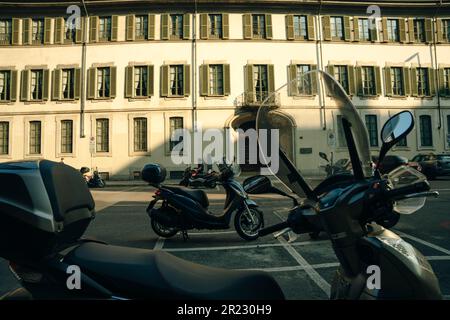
162,231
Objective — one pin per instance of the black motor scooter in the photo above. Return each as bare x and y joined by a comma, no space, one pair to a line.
196,178
183,209
94,180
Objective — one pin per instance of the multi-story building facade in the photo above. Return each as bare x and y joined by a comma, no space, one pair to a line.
110,92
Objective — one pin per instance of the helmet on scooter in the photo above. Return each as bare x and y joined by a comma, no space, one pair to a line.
84,170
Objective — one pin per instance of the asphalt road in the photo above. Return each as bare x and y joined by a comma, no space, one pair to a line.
303,268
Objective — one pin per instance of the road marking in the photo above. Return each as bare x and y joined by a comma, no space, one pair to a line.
159,244
438,258
429,244
312,273
295,268
210,233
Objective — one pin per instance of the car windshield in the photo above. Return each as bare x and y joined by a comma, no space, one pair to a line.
318,127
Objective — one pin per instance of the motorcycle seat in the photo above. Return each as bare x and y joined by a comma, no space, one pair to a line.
196,195
140,273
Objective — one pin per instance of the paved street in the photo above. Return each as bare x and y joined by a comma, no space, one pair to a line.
303,268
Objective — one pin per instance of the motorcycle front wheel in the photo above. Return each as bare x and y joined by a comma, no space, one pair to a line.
163,231
245,226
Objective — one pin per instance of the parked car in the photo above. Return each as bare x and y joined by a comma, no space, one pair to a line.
433,165
392,162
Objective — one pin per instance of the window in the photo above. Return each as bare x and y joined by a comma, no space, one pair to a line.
66,136
446,29
368,81
140,81
68,84
176,80
215,26
372,129
364,29
423,88
397,81
426,135
104,28
342,142
260,78
216,80
392,30
5,31
5,85
402,143
37,34
337,27
102,135
259,26
103,82
445,84
140,134
69,30
300,27
4,138
419,30
176,123
141,26
341,75
35,137
176,26
303,82
36,84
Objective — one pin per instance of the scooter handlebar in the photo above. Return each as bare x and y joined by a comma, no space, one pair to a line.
406,190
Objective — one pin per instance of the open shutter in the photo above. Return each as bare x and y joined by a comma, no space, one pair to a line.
347,29
407,81
412,36
204,26
114,28
165,80
13,87
113,82
249,84
150,80
311,30
77,84
439,33
46,85
441,78
432,81
247,26
388,81
385,29
326,28
428,30
226,80
129,85
204,83
351,80
186,26
293,89
165,27
377,80
402,29
25,87
15,31
355,29
314,80
93,27
26,36
151,27
59,30
290,27
226,26
358,81
79,32
187,80
56,84
269,28
47,30
92,85
130,27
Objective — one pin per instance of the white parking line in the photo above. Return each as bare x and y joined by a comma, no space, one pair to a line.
159,244
438,258
296,268
429,244
210,233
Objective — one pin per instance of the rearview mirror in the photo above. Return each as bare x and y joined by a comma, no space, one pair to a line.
257,185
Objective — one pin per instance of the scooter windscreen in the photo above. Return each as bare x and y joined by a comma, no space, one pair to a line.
303,118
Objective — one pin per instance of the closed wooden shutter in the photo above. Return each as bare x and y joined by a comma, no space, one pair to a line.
79,32
26,36
204,26
165,69
385,29
25,85
151,27
47,30
226,80
351,80
388,81
151,80
204,80
129,81
428,30
314,80
187,80
271,77
247,26
439,31
407,81
358,81
378,89
226,26
326,28
46,85
249,83
92,84
165,27
269,28
412,36
93,27
130,34
347,29
56,84
432,81
59,30
355,29
77,84
186,26
402,29
15,31
311,29
13,94
114,28
290,27
293,88
113,80
441,79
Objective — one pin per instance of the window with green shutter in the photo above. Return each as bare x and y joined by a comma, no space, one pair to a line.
216,77
444,81
419,30
303,83
337,28
372,129
4,138
5,31
422,82
393,30
35,138
300,25
105,29
5,85
37,31
103,82
141,27
215,26
397,81
426,131
67,136
70,29
175,123
140,81
364,29
258,26
140,135
36,85
102,135
341,75
176,26
176,80
445,23
368,81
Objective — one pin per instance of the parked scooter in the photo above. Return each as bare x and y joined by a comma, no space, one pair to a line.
332,168
183,209
195,178
93,180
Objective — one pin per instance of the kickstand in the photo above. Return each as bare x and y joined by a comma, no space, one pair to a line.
185,235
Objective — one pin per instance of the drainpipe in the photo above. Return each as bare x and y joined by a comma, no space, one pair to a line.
83,73
194,68
320,66
436,74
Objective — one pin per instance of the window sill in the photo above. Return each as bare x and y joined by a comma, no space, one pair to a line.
29,102
102,154
61,101
5,156
97,100
65,155
397,97
423,97
426,148
175,98
6,102
371,97
33,156
133,99
140,154
218,97
304,96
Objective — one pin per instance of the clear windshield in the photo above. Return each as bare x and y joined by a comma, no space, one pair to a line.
315,105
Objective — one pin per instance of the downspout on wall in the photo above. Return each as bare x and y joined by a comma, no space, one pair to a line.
320,66
83,73
436,74
194,68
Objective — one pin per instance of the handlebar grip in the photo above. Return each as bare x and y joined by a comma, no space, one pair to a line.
272,229
412,188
